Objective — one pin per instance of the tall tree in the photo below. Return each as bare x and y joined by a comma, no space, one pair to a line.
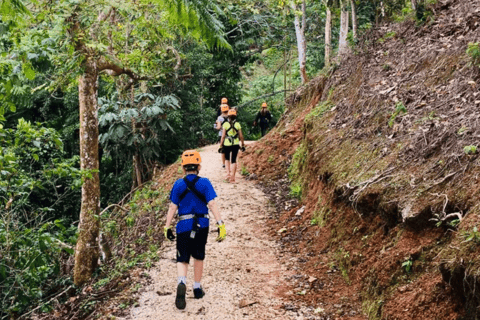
353,6
89,43
344,18
328,34
300,15
205,26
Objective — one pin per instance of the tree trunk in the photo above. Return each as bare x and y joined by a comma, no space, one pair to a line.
136,161
328,37
285,66
303,68
342,43
86,252
354,20
301,43
414,5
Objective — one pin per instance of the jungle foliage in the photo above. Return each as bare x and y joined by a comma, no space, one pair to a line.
187,69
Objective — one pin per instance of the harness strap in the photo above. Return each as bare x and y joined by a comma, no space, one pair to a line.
232,127
191,188
191,216
235,136
194,217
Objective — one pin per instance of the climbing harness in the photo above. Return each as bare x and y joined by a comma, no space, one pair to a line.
191,216
194,216
234,136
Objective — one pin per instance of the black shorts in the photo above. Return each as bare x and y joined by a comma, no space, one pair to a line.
187,246
231,153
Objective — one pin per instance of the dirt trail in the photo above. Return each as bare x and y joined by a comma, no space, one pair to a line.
241,270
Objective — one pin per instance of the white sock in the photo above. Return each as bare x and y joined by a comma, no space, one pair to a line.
182,280
197,285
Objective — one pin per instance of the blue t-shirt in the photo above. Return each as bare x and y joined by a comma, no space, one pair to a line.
191,204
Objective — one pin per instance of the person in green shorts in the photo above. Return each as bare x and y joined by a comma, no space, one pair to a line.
231,137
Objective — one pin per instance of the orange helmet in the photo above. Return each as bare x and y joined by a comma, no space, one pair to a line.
232,112
224,100
224,107
264,105
191,157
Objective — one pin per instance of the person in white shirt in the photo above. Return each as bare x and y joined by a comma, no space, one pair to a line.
220,120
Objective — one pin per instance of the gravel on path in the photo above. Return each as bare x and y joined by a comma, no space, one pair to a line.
242,276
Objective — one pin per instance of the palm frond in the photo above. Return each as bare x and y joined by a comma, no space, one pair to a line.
199,18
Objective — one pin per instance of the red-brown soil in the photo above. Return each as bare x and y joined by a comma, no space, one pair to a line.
379,180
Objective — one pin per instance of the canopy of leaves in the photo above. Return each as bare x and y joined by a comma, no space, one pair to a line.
189,53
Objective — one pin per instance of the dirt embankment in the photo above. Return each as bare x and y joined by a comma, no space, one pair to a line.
379,154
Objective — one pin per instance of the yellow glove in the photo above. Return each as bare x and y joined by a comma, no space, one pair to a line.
167,231
222,233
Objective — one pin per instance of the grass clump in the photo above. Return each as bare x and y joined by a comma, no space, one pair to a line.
296,191
372,296
342,258
296,169
470,149
473,51
407,265
373,308
399,109
388,35
472,236
298,162
244,171
320,214
319,111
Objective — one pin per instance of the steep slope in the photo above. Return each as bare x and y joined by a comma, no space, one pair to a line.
381,153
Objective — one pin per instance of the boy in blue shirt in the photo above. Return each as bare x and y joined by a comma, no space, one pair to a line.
192,196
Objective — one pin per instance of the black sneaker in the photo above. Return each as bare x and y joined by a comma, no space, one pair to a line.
198,293
180,300
223,166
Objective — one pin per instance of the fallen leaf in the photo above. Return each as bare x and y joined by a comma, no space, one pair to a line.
245,303
300,211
